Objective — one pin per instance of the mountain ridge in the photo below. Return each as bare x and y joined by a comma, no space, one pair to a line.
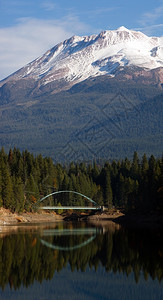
98,118
79,58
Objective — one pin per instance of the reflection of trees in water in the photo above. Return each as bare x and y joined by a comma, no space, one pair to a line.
24,259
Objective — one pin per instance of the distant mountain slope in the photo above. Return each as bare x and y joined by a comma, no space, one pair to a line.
98,118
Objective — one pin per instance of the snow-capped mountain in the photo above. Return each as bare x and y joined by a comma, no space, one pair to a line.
80,58
88,97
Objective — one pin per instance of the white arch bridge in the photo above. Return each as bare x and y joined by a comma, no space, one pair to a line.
95,207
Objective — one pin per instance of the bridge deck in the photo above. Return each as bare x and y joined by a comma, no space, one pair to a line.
70,207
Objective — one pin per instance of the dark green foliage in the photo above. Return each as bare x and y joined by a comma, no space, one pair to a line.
6,187
1,201
18,194
24,179
128,116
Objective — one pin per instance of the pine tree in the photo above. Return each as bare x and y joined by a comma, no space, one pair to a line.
18,193
135,166
31,193
10,157
151,181
108,190
7,188
64,198
70,195
143,187
1,201
144,164
95,172
98,196
120,191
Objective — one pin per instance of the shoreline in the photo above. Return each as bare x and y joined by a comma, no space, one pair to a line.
132,220
9,218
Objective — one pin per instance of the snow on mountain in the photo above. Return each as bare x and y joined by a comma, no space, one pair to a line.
79,58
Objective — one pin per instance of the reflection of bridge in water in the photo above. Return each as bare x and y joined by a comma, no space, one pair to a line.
70,232
95,207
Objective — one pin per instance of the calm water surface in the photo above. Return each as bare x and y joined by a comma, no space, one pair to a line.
80,261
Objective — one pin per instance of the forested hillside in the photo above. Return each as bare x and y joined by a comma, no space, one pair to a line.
128,184
99,118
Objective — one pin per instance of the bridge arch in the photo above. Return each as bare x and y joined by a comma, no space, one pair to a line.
56,247
70,232
67,191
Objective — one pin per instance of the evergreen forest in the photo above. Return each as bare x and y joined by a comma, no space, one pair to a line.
135,184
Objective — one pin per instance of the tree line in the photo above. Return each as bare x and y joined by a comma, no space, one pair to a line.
135,184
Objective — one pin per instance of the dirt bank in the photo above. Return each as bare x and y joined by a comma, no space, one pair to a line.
106,216
9,218
148,220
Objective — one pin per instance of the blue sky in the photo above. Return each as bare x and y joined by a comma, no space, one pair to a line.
30,27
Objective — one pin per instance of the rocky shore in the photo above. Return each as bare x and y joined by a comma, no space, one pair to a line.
9,218
148,220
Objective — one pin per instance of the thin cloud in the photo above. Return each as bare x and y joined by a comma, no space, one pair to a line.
14,6
30,38
96,12
152,16
48,5
152,30
100,11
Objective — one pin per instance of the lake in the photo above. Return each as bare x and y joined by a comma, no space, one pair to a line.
80,261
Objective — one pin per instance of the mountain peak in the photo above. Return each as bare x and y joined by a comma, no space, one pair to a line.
79,58
122,28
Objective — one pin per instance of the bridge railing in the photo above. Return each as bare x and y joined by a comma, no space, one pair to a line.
95,207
